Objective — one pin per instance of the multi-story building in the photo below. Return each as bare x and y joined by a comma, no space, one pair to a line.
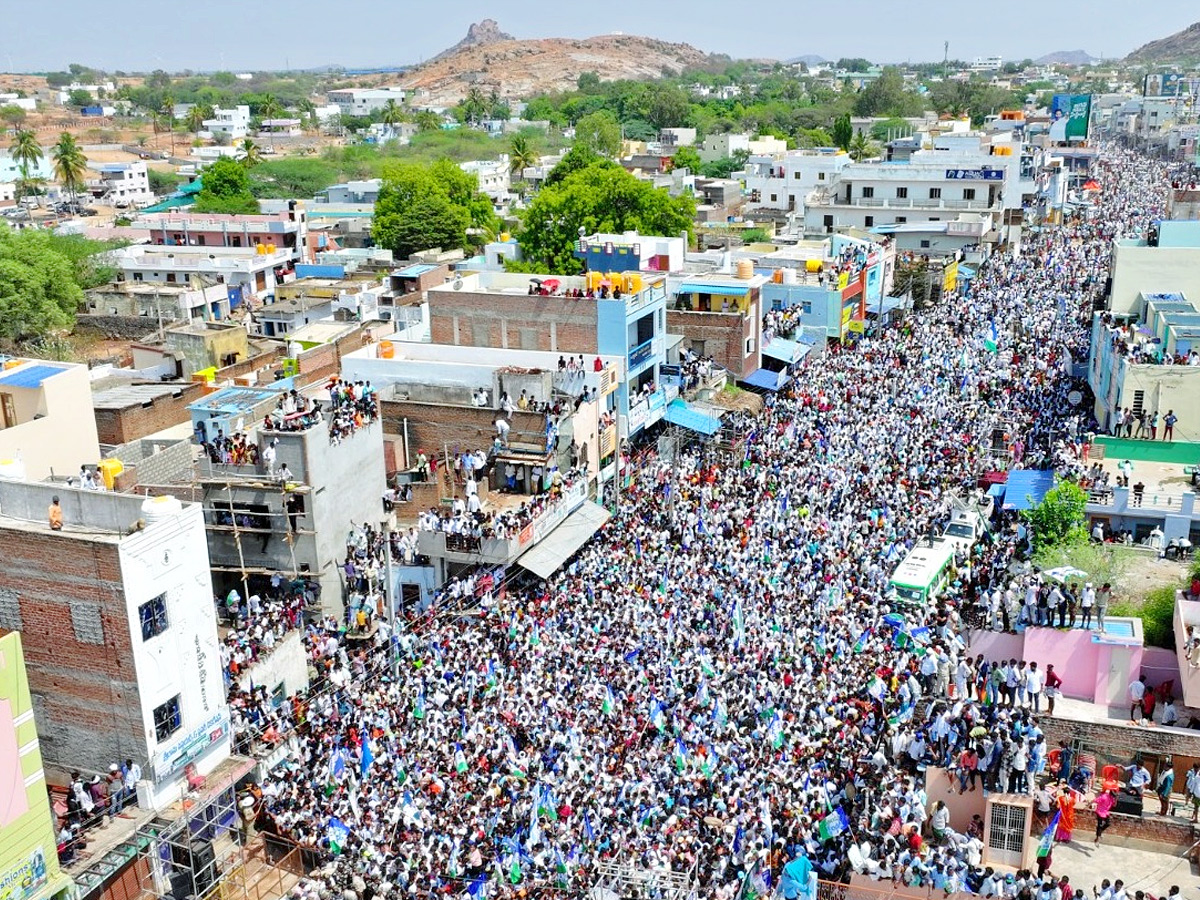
117,618
28,843
46,422
250,271
783,182
232,124
569,315
282,231
493,175
122,184
364,192
720,316
1164,261
161,302
631,252
256,524
364,101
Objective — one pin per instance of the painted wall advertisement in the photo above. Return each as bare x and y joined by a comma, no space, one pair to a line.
1069,117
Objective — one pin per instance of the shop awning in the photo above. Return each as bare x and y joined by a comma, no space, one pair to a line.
1025,488
786,351
766,380
564,541
679,413
965,271
886,306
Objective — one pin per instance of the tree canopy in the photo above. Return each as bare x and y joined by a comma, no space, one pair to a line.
39,290
600,132
599,197
1060,520
424,206
226,189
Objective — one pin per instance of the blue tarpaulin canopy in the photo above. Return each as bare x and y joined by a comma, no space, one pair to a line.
886,305
965,271
766,380
30,376
786,351
679,413
721,290
1025,488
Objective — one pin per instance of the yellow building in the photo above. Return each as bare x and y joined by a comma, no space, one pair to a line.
28,847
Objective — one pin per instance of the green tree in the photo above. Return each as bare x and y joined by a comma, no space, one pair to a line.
887,96
521,155
890,128
162,183
12,115
668,107
391,115
249,153
601,197
724,168
26,153
167,112
843,131
579,157
861,147
588,81
1060,519
79,97
600,132
687,158
38,288
70,165
428,120
226,189
197,115
474,106
463,191
414,212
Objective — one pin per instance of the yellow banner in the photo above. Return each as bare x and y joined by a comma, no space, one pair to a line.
857,325
950,277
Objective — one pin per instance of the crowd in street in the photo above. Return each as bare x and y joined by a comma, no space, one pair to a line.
720,684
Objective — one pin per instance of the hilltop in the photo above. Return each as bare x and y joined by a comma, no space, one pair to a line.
491,60
1066,58
1182,46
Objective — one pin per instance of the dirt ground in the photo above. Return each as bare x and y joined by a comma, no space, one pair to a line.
1147,572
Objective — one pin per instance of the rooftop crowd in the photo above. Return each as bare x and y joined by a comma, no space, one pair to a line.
719,684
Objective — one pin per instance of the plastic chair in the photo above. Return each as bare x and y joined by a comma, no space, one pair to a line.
1110,773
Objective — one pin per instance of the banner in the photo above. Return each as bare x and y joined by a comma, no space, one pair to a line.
950,276
1069,117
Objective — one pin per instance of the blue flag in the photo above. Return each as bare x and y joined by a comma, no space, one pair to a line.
367,756
1047,840
589,833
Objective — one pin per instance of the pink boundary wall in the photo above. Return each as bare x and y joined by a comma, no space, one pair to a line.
1098,673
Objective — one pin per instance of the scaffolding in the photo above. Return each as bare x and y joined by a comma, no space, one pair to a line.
630,882
212,852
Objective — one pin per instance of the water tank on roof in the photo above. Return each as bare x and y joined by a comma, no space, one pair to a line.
789,275
745,269
155,508
812,265
12,468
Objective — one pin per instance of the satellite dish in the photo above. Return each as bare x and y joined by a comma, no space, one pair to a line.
457,284
1074,398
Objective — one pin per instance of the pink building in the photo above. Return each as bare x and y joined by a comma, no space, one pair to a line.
286,230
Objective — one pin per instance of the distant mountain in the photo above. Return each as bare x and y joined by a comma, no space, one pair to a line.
490,60
1066,58
1182,47
480,34
809,59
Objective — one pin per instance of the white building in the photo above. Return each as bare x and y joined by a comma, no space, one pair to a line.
255,273
233,123
364,101
122,184
783,183
29,104
987,64
64,94
494,178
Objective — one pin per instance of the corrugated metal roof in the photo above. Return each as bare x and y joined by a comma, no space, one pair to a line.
128,395
679,413
30,376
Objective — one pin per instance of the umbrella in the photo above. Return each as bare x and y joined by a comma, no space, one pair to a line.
1063,574
551,284
536,280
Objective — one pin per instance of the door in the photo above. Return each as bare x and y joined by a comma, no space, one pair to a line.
1008,829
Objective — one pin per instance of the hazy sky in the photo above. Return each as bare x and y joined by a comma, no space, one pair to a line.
214,34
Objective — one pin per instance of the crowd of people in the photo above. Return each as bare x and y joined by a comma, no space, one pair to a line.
720,685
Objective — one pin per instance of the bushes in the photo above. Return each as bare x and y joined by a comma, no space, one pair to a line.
1157,613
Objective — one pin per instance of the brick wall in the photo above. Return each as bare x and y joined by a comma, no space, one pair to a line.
1117,743
431,426
85,691
253,364
724,337
120,426
1150,832
515,322
167,465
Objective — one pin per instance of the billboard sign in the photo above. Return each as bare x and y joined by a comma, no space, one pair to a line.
1069,117
1167,84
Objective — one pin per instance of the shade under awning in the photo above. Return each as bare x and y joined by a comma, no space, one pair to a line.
564,541
1025,488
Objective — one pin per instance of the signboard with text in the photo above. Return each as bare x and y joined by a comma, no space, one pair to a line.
985,173
1069,116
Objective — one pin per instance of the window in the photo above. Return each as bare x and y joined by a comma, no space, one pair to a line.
137,276
868,221
820,176
797,175
774,198
924,245
900,220
868,192
749,346
901,193
968,193
167,719
153,616
935,193
827,221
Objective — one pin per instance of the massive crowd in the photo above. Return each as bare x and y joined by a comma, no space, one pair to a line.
719,683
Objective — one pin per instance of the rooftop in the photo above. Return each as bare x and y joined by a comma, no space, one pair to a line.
125,396
235,400
92,516
29,373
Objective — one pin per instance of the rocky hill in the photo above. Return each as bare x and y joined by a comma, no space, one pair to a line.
478,35
519,68
1066,58
1183,46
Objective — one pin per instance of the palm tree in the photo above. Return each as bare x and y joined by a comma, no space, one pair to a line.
308,112
70,164
428,120
167,111
474,105
197,114
26,153
521,155
391,114
862,148
267,110
251,155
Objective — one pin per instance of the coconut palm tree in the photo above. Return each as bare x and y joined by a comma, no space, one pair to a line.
474,105
70,164
251,156
861,147
197,114
391,115
267,110
521,155
167,111
308,114
427,120
26,153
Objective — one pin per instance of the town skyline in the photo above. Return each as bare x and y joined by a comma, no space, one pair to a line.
408,37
